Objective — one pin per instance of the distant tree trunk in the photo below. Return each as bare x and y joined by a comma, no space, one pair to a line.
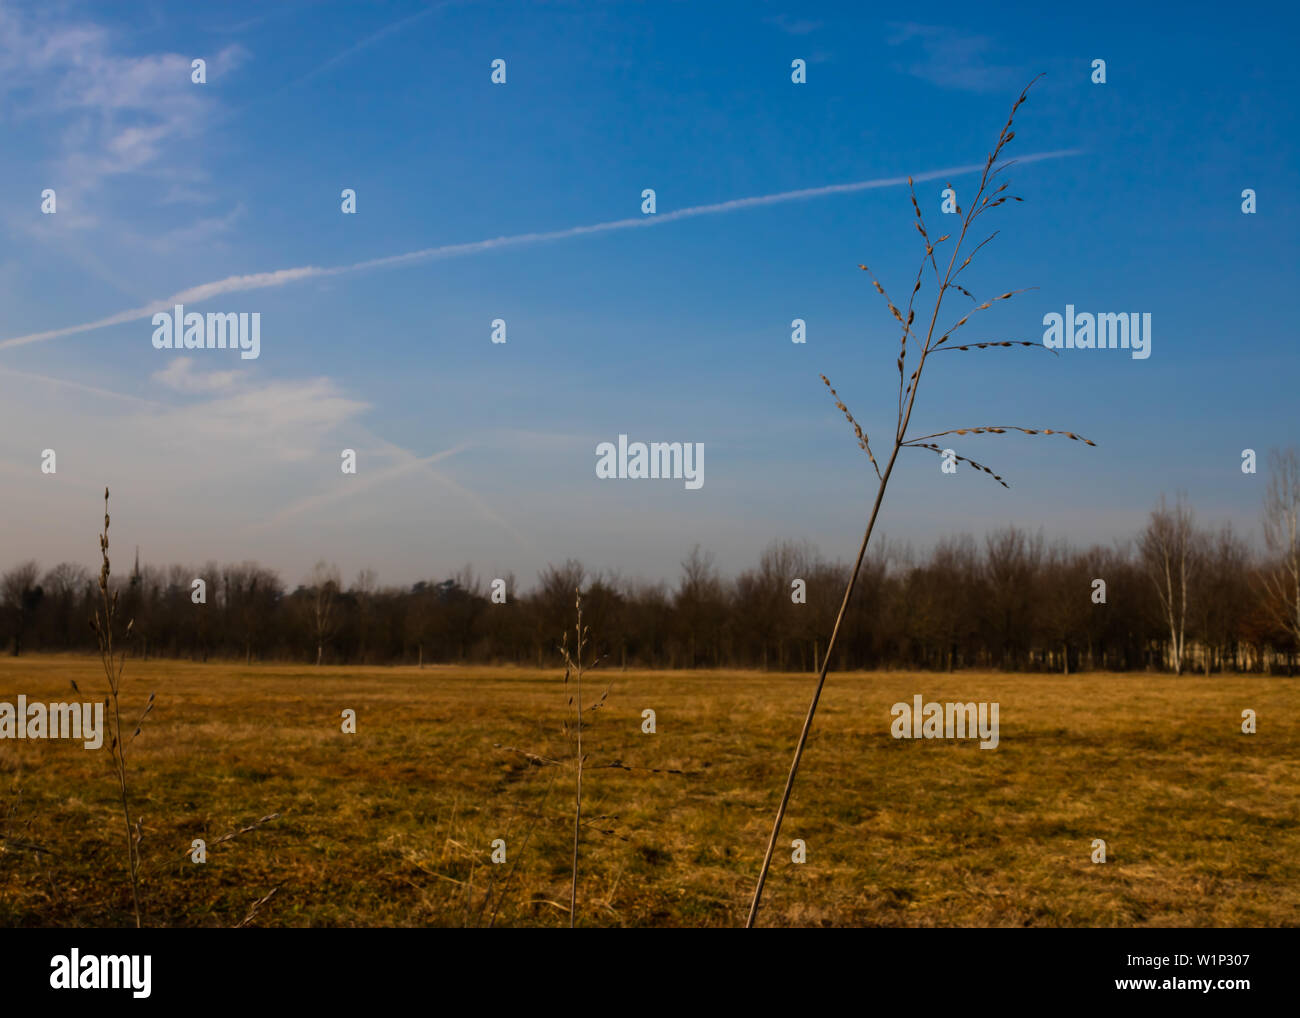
1168,548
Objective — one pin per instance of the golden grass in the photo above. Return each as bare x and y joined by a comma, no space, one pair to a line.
393,826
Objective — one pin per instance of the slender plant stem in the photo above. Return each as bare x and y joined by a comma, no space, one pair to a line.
826,660
113,672
812,707
577,806
130,844
119,754
904,418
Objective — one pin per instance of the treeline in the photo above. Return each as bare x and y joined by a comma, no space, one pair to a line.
1175,597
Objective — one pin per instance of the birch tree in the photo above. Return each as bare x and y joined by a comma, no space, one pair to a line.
1281,576
325,581
1167,548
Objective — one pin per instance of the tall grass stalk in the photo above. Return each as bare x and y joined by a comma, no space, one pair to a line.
984,200
103,623
573,667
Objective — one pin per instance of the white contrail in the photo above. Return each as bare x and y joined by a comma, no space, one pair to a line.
95,390
371,479
262,280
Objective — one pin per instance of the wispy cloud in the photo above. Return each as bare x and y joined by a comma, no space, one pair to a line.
481,505
282,277
369,41
202,472
951,58
288,419
356,486
64,383
245,430
793,26
181,376
116,112
105,115
344,56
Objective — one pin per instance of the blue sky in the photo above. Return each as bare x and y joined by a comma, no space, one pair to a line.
679,331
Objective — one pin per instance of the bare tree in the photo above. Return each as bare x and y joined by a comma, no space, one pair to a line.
363,589
249,600
65,586
1012,561
951,579
1281,577
325,583
780,564
1063,602
420,615
1169,553
21,594
701,606
1223,594
554,598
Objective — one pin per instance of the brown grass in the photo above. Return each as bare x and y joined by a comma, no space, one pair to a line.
392,826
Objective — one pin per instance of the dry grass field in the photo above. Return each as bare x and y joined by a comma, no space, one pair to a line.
393,826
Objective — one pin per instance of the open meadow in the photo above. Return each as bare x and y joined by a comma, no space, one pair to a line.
394,825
